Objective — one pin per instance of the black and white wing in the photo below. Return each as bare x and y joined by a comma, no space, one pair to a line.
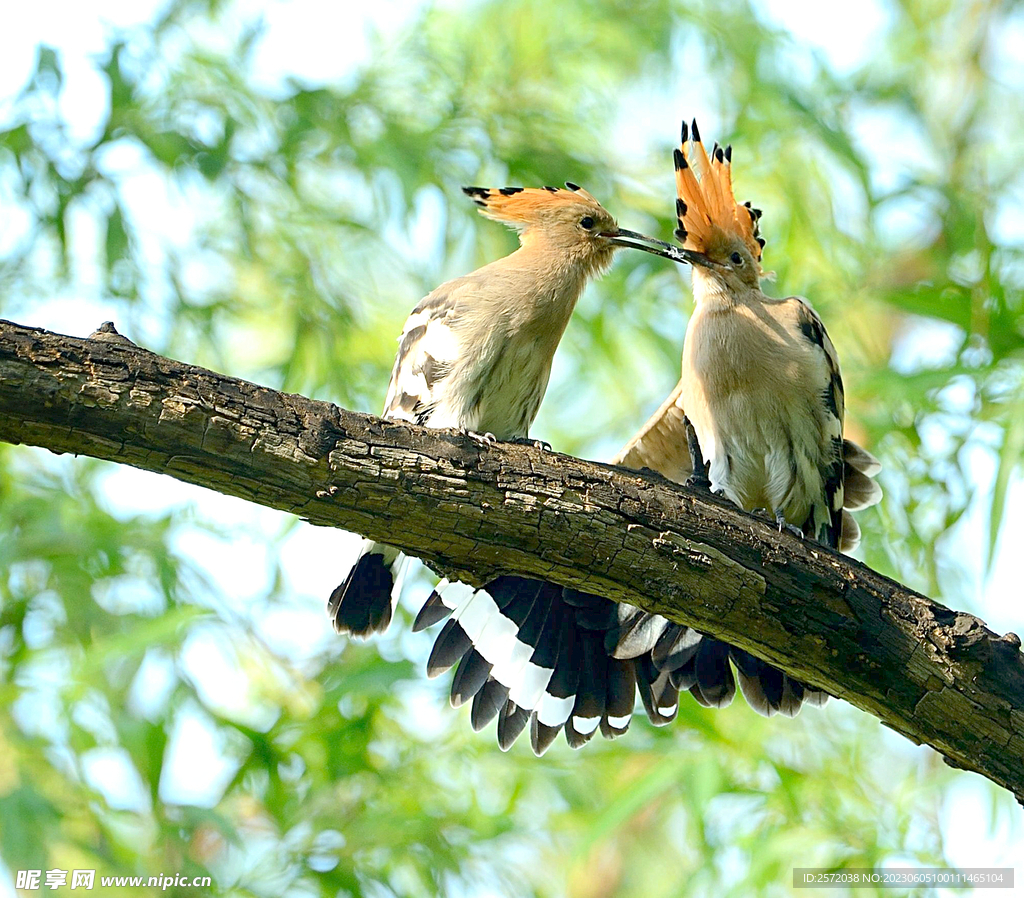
825,518
364,603
428,350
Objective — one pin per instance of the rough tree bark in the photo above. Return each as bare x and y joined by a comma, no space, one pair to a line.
938,676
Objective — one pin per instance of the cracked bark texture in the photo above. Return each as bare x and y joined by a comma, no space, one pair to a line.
937,676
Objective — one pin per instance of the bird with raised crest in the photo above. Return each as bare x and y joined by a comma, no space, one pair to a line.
757,416
476,353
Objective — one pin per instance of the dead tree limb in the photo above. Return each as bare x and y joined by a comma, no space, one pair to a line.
938,676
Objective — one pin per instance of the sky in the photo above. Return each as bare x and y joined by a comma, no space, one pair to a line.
311,557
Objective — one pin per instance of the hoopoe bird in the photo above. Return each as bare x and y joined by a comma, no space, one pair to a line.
761,399
476,353
762,388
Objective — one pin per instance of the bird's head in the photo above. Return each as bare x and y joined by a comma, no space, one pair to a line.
567,221
720,237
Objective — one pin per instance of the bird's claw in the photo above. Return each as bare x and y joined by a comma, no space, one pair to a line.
483,439
543,445
785,525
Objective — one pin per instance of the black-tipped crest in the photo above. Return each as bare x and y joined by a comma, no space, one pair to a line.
522,205
478,195
526,207
707,210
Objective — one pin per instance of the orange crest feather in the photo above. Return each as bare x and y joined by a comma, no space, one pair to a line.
706,209
522,205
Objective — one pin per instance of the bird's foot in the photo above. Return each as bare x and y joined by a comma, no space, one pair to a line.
780,519
486,440
543,445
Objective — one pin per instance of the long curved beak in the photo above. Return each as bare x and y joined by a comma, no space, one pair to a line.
633,240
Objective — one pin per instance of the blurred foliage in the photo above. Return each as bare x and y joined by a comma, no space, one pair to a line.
282,234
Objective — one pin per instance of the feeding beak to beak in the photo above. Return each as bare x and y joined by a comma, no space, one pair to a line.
632,239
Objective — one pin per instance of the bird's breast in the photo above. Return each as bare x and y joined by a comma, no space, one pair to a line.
502,386
747,392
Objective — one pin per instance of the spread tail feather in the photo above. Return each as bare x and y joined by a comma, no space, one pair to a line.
532,653
659,694
849,533
544,659
670,658
859,490
364,603
770,691
860,459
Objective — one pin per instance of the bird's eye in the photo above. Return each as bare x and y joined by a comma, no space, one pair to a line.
586,222
736,259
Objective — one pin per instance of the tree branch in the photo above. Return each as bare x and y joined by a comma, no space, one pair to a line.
939,677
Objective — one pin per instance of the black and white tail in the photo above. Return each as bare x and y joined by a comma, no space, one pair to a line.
674,658
364,603
531,653
535,653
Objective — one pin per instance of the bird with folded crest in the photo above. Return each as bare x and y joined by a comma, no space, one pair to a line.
476,353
